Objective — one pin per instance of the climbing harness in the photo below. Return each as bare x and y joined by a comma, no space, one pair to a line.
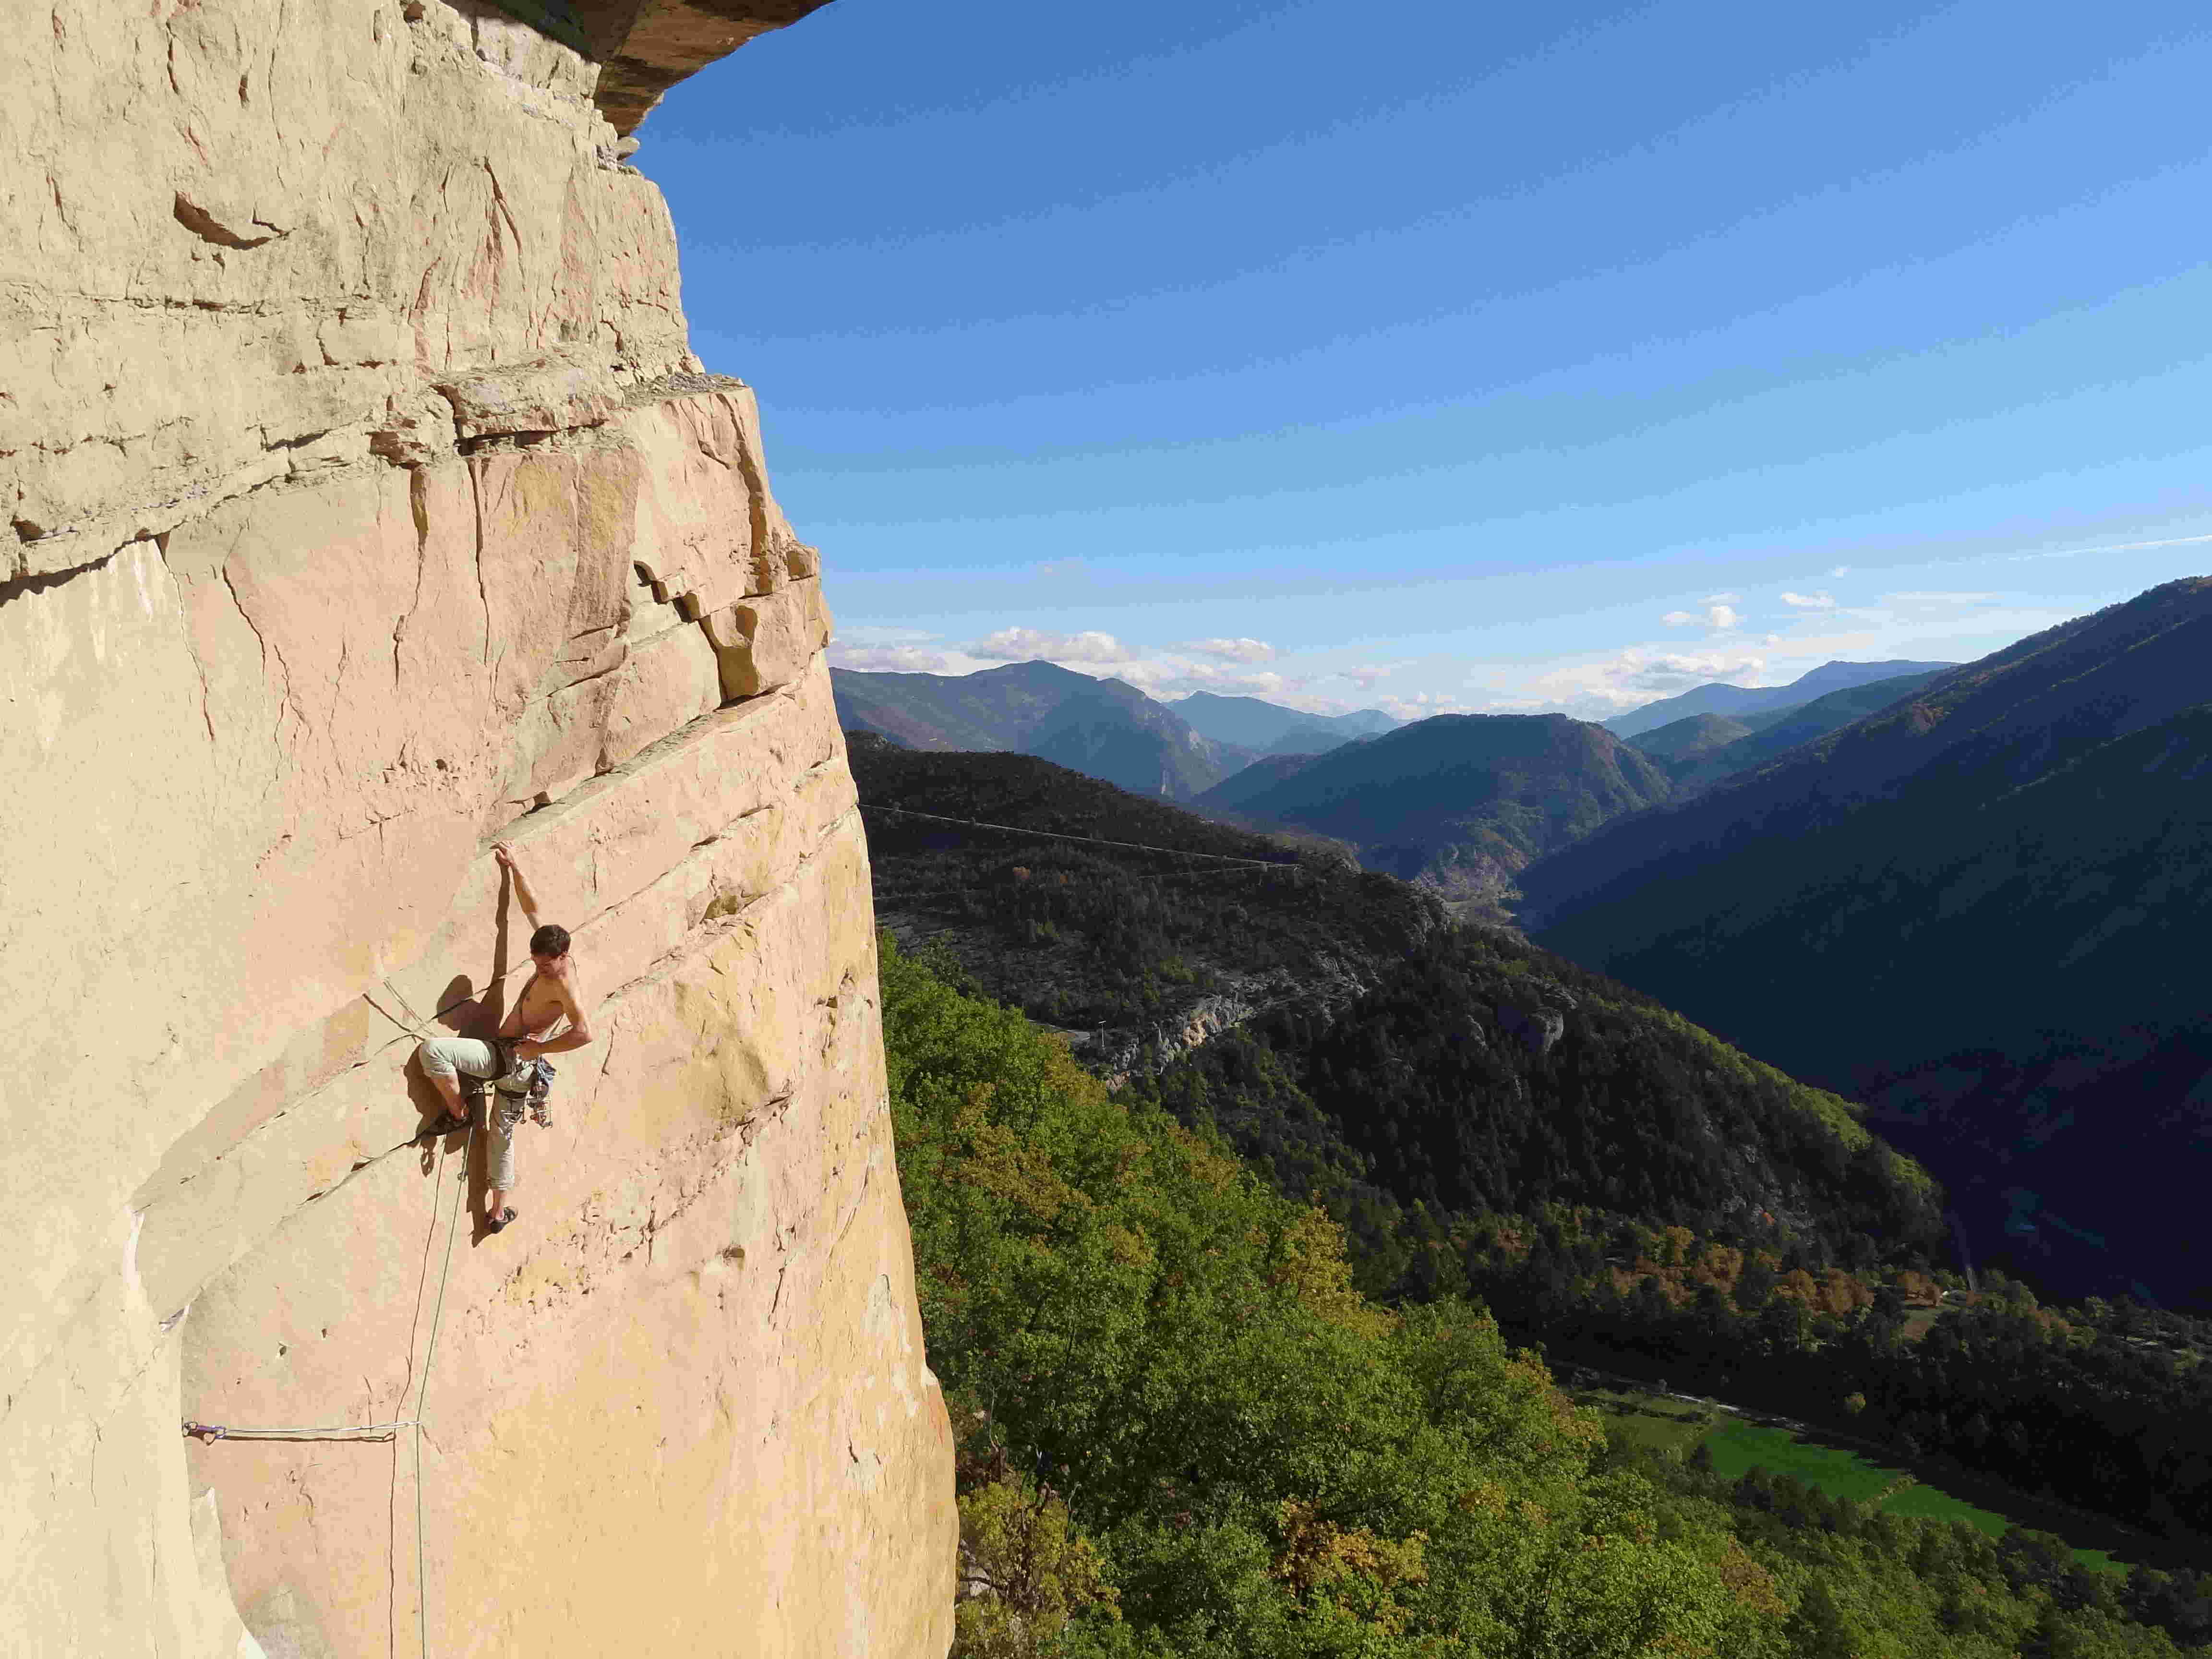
209,1433
530,1081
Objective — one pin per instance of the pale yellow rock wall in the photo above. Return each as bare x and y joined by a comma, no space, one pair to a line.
366,504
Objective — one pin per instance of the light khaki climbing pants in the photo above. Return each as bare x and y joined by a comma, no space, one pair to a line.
454,1057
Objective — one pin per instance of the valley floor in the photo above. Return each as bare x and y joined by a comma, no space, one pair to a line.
1738,1439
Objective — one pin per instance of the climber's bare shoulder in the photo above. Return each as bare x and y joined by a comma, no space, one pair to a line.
565,984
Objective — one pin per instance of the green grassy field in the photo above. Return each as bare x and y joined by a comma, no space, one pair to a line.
1736,1446
1651,1420
1662,1423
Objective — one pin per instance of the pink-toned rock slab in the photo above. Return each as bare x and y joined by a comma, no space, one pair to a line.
366,504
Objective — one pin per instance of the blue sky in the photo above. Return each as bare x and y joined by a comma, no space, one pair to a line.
1440,356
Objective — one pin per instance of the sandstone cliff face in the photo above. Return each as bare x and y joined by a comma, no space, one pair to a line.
364,504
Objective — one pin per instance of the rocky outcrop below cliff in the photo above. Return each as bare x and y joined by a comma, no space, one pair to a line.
365,504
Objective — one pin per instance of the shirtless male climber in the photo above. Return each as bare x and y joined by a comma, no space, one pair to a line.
550,996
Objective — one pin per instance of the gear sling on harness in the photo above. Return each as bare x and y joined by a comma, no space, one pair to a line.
529,1082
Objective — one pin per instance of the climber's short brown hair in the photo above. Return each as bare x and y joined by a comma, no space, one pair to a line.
551,940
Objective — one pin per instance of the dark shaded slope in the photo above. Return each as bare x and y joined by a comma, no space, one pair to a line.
1982,912
1233,792
1463,801
1143,951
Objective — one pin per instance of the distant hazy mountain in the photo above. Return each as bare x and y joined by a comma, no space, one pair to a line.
1107,728
1680,741
1461,800
1697,754
1984,912
1739,701
1269,728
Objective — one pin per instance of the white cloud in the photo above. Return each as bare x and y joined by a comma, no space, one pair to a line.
1027,644
892,658
1239,650
1820,601
1840,570
1671,671
1203,676
1718,617
1721,598
1422,704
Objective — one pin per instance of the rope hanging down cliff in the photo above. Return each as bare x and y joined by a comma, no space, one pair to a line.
370,1433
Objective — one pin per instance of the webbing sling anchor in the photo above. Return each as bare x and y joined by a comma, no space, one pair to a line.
209,1433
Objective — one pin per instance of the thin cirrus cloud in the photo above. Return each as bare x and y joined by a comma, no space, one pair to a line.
1821,601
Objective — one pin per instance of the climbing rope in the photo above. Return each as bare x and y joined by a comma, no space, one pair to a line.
1088,840
437,1316
892,894
209,1433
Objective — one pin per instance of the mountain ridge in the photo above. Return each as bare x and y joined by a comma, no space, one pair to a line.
1697,758
1106,727
1717,697
2003,863
1272,729
1459,801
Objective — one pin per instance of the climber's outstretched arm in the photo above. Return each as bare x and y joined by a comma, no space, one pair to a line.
523,895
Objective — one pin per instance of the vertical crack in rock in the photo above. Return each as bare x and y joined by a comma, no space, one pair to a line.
184,633
477,521
419,504
285,705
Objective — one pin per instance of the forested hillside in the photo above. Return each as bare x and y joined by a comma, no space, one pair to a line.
1183,1431
1485,1119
